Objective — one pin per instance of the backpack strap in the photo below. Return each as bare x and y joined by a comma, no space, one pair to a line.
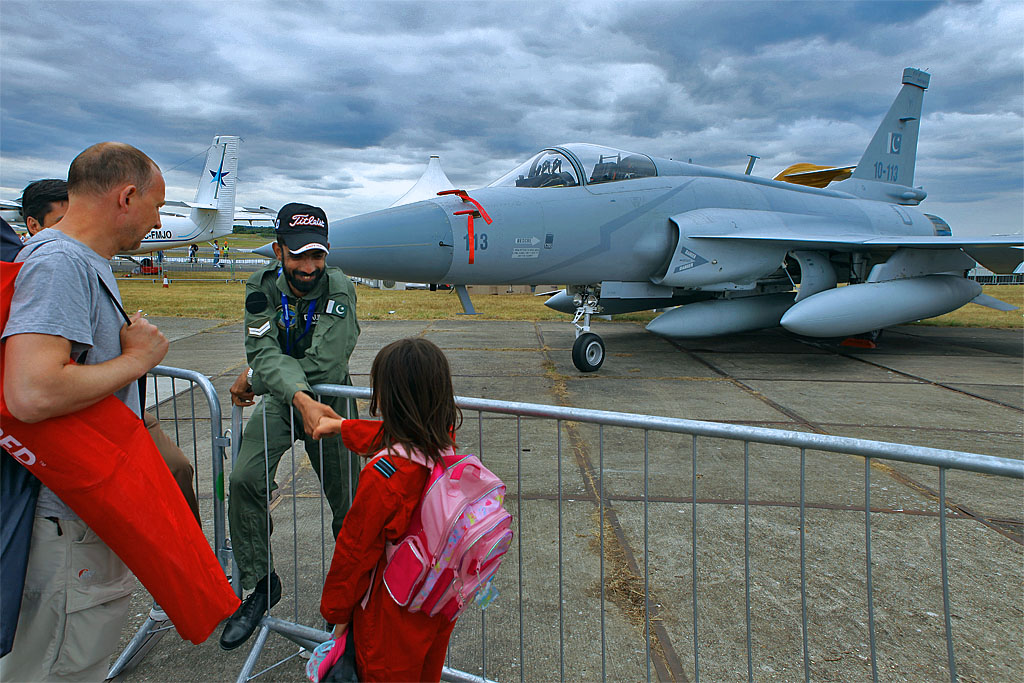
400,451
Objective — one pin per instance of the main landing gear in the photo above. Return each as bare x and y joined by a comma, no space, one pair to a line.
588,349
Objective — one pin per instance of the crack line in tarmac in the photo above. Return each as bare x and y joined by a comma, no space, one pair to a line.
663,656
896,475
931,382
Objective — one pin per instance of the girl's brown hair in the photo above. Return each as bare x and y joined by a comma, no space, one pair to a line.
412,392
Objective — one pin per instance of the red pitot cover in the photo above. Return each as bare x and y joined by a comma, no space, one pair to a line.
102,462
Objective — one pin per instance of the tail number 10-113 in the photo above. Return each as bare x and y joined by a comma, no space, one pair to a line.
888,172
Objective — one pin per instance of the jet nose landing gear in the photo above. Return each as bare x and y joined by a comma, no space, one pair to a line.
588,352
588,349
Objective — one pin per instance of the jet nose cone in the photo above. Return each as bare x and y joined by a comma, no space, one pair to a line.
412,243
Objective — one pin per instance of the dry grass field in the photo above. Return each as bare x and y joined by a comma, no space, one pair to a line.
223,300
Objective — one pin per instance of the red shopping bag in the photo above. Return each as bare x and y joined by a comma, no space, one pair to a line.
103,464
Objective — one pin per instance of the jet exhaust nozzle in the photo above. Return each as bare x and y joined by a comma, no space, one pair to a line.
870,306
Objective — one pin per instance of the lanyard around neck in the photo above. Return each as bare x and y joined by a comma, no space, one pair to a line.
289,322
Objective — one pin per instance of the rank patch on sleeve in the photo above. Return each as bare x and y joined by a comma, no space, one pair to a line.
336,308
261,330
385,468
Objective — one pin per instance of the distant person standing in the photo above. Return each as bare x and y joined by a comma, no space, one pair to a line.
216,254
225,254
43,203
193,249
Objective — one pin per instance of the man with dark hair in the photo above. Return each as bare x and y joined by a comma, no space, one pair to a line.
77,590
300,324
43,203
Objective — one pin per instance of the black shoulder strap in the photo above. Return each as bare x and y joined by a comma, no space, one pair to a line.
113,299
120,309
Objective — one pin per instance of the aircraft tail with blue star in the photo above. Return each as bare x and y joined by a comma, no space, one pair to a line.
212,214
214,206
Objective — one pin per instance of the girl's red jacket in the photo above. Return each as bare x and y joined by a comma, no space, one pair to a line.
390,488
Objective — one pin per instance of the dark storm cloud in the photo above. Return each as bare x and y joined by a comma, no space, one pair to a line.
348,100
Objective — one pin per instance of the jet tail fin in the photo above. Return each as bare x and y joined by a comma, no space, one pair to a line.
214,206
892,153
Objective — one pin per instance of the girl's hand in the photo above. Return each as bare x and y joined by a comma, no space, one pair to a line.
339,631
327,426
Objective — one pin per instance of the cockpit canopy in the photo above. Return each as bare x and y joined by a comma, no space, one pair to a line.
564,166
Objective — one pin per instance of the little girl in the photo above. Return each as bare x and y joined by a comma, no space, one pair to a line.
412,392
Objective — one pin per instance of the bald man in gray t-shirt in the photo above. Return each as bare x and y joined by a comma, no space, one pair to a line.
58,292
76,595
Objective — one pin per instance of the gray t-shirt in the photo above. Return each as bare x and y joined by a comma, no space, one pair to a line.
58,292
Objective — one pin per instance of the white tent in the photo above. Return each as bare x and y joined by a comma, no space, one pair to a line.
430,183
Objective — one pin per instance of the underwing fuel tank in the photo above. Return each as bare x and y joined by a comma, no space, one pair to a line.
874,305
722,316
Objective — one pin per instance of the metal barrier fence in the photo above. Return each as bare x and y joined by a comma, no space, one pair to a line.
993,279
173,392
686,548
595,608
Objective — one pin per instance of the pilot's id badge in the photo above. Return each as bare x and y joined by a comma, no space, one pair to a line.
336,308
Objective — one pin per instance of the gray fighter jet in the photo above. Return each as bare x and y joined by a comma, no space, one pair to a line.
724,252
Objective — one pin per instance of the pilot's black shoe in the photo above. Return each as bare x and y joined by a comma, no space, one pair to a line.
246,618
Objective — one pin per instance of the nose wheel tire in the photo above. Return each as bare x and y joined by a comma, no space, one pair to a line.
588,352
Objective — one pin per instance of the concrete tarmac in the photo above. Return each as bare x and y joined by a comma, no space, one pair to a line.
960,389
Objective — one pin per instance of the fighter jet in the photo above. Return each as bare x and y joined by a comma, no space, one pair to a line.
724,252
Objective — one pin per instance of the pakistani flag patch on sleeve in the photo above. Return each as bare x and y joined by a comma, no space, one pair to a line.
336,308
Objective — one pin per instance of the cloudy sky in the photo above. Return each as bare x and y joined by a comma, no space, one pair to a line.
341,104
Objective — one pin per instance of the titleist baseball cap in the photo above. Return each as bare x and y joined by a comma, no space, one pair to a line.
302,227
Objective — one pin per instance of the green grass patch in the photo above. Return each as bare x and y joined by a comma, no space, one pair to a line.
214,295
974,315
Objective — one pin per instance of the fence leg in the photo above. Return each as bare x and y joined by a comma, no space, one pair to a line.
254,654
137,645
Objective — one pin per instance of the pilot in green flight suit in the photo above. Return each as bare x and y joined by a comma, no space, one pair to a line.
300,329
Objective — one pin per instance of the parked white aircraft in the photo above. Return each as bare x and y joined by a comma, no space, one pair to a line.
210,216
11,212
212,213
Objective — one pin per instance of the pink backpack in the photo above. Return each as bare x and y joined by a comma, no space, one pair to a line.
456,539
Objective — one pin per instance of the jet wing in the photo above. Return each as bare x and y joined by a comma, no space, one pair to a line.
998,253
872,240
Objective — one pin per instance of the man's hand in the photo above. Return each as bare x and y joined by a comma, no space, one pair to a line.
143,342
241,391
326,427
312,410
